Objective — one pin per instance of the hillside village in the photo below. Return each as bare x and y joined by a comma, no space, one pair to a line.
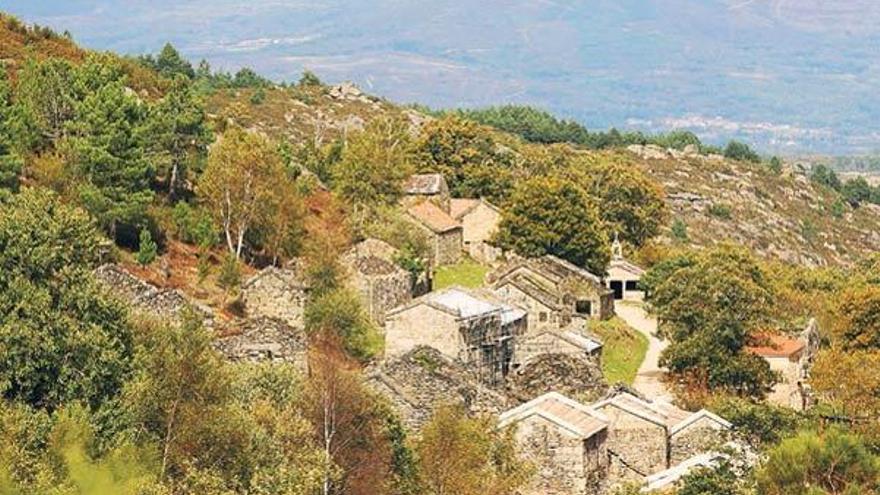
215,284
474,346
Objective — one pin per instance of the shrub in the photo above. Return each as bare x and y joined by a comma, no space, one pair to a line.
679,231
722,211
230,273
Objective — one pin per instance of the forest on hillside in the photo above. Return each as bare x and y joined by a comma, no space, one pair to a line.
105,158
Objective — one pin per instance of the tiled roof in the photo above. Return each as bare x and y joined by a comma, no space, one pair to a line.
777,346
424,184
461,303
459,207
431,216
570,415
626,266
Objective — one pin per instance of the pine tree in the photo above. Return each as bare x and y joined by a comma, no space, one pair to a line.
106,150
147,248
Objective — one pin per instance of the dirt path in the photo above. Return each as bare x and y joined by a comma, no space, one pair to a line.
648,379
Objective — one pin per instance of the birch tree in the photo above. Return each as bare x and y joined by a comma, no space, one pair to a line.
239,185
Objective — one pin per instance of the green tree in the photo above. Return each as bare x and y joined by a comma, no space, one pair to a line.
309,79
857,322
180,400
10,162
707,310
147,248
775,164
468,456
373,166
736,150
106,152
466,154
339,312
178,134
823,175
857,191
63,337
834,462
169,63
239,185
555,216
630,203
45,100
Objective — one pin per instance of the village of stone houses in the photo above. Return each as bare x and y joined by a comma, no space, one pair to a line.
216,284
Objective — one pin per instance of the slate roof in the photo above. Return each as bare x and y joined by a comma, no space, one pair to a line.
626,266
432,217
669,477
658,412
570,415
461,303
424,184
777,346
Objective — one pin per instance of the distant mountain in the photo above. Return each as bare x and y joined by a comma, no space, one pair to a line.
792,76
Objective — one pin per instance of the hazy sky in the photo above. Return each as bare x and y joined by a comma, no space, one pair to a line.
788,75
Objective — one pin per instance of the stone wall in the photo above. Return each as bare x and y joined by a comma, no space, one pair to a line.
447,247
703,436
166,304
566,374
265,339
275,293
558,458
641,444
418,325
381,285
417,382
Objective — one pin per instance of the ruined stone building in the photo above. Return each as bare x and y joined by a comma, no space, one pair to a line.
556,293
378,281
645,437
792,358
419,381
443,232
479,221
264,339
140,295
624,278
565,441
276,293
479,333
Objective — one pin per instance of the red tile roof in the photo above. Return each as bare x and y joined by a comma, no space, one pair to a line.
431,216
774,345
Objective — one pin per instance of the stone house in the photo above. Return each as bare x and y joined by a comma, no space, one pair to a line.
645,437
265,339
444,233
418,381
431,187
792,358
276,293
479,333
556,293
564,440
479,221
624,277
379,282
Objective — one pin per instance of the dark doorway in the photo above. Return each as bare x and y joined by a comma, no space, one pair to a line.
617,287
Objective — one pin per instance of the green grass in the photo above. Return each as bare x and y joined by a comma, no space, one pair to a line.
466,273
623,352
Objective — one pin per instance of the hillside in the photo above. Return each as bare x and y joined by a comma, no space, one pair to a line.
782,216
